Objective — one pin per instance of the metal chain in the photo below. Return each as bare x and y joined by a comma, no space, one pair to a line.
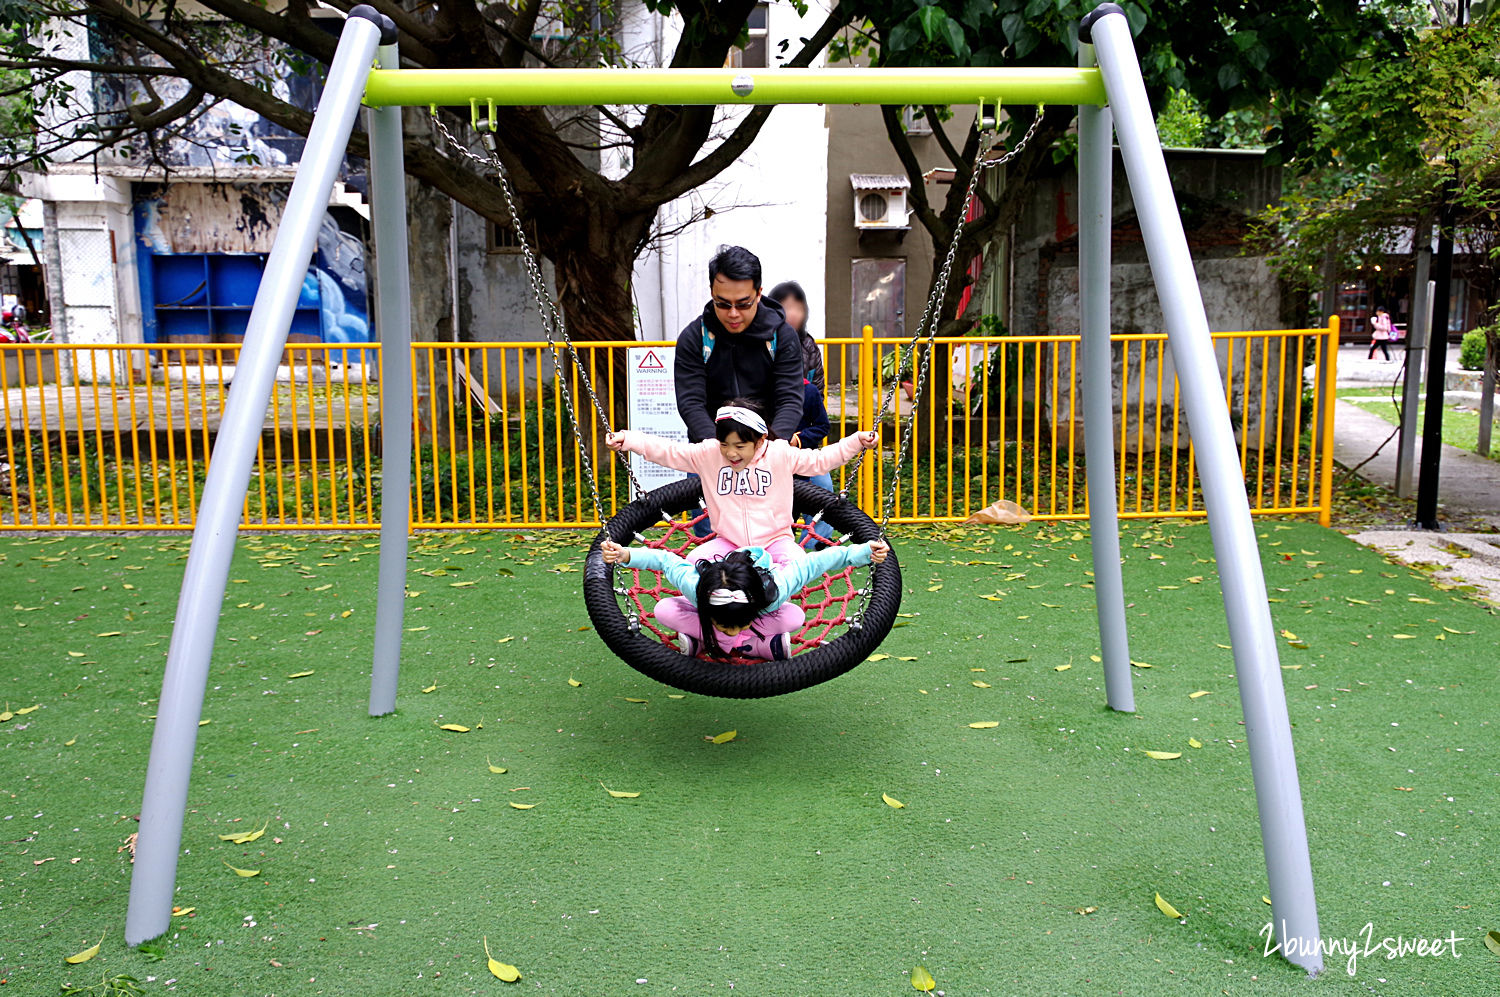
552,320
929,323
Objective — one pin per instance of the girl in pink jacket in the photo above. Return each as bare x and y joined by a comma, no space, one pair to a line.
747,477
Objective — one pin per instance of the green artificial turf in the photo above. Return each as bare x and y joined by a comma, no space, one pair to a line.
1025,861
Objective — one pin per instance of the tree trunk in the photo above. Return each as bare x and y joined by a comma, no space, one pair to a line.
595,297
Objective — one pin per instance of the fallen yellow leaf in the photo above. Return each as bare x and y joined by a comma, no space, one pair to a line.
29,709
497,770
523,806
1199,694
574,683
430,688
86,954
69,744
985,724
1167,908
456,728
1165,756
922,980
300,675
109,633
347,613
981,685
620,794
892,802
245,837
877,657
1061,668
182,911
504,972
1193,742
724,738
1141,664
242,873
1266,900
632,699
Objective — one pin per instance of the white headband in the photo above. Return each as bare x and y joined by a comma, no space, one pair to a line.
743,416
726,597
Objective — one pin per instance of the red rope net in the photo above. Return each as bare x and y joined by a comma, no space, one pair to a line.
826,601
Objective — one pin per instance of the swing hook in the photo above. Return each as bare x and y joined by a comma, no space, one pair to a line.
474,114
987,122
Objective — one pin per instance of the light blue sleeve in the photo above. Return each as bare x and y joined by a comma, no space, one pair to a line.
679,573
793,576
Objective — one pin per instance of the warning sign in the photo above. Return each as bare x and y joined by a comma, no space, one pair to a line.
653,409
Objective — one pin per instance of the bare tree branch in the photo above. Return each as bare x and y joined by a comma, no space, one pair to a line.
921,206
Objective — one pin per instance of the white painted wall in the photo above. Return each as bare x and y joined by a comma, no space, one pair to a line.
773,200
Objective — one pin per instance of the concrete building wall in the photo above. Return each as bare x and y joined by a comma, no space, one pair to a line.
1217,191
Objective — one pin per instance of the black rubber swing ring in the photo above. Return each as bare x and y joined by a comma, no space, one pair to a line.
772,678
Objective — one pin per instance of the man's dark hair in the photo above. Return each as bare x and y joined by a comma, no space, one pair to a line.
735,263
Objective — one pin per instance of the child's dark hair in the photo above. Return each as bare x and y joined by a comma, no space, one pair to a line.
736,573
747,434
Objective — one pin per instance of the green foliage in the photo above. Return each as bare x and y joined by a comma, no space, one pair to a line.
1471,350
1254,72
1392,134
1182,123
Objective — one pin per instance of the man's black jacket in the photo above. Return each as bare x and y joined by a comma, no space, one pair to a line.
740,365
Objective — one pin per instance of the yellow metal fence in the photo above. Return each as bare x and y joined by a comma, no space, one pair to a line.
119,437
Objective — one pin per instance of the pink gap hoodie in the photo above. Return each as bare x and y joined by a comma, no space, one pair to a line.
750,506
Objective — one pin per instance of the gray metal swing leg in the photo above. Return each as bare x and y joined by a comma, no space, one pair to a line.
393,303
164,802
1267,725
1095,209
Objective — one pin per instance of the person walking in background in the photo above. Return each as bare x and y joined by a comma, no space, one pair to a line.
1380,334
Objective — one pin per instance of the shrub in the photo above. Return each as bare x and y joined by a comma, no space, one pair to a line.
1471,350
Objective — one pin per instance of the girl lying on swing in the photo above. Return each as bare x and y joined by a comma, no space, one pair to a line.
741,600
747,477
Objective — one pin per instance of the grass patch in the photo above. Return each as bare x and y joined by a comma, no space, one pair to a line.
1460,423
770,861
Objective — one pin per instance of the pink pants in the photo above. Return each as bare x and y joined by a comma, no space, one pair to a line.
676,613
782,550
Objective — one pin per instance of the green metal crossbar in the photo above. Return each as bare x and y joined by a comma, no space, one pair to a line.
582,87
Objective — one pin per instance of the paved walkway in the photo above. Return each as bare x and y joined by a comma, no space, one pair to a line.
1468,483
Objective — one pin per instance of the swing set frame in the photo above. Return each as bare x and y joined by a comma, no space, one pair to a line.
1108,90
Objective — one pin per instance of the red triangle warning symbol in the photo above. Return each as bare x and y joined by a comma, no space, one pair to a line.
650,362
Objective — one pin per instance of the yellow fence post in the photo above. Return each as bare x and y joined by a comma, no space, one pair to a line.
1330,382
869,375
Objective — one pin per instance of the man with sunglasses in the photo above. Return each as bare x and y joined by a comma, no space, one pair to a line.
741,347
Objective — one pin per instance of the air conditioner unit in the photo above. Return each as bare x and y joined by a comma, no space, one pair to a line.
880,201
